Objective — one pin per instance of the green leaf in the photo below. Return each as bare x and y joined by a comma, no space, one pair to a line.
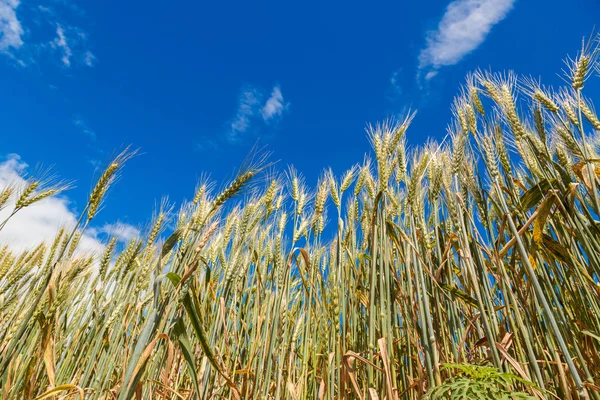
171,242
460,294
188,354
174,278
557,250
195,320
536,193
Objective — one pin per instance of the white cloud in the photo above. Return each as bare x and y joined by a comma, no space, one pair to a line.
395,82
463,28
248,105
275,105
251,107
39,222
67,41
61,43
121,231
207,144
10,27
81,124
89,59
430,74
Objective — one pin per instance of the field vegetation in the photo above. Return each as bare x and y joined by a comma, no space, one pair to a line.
465,268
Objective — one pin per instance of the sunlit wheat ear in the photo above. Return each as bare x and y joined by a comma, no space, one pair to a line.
203,188
26,193
334,192
348,178
5,265
417,173
233,188
5,195
39,188
200,192
529,157
271,194
569,141
490,156
108,177
501,149
581,68
230,224
131,253
561,154
321,196
472,118
157,227
401,161
568,106
370,185
380,136
294,181
508,105
106,258
472,92
459,143
303,199
360,181
474,188
460,114
74,243
537,92
282,223
207,235
38,197
434,177
539,122
78,267
589,114
160,219
488,81
57,241
279,200
4,252
398,130
255,163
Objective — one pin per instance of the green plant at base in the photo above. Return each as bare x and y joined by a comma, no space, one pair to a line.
478,382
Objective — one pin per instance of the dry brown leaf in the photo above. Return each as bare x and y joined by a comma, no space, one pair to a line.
584,176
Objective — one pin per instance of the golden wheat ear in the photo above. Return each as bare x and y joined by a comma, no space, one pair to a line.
106,180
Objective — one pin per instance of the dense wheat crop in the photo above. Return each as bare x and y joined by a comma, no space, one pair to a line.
384,282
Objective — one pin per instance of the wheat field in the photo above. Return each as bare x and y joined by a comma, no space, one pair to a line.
465,268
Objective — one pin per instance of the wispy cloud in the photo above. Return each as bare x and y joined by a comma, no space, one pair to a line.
275,105
61,43
89,59
251,108
248,105
395,82
81,124
462,29
69,42
10,27
206,144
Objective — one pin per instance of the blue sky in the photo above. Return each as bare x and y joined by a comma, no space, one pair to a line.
194,85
